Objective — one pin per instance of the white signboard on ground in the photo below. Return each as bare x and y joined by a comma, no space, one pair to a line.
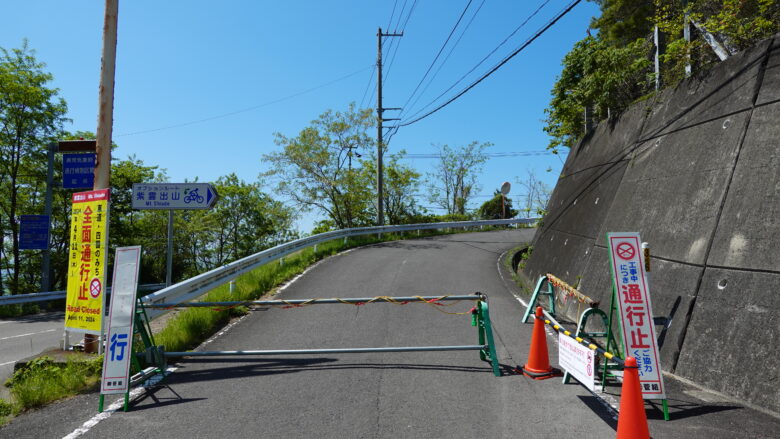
116,363
577,360
636,311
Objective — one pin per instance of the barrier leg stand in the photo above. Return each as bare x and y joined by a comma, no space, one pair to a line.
486,335
581,332
535,296
612,345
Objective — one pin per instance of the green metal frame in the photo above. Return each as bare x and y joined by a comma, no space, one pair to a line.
152,355
535,296
485,334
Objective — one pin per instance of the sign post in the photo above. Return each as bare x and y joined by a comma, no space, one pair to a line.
632,292
116,364
173,196
87,262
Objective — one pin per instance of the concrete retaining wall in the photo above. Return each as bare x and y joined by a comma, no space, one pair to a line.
696,171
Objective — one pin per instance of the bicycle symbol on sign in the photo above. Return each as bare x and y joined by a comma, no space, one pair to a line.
193,196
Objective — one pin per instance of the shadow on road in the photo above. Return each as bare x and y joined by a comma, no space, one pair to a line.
159,401
679,409
261,367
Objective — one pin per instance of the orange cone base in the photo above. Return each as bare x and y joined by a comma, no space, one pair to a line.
539,374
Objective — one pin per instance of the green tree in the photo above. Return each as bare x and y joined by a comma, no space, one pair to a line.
497,207
453,182
597,75
535,195
608,71
245,221
315,169
401,182
31,115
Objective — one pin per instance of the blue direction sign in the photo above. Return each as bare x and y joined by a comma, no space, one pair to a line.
78,171
34,232
176,196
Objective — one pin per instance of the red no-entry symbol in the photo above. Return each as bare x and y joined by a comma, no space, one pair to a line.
94,288
625,250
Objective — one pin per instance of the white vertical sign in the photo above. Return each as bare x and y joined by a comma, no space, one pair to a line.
577,360
116,363
636,310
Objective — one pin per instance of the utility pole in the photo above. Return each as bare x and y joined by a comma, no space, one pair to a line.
106,97
379,142
105,120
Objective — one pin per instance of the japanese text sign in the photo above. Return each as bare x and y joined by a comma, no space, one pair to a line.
34,232
116,364
87,260
577,360
78,170
178,196
636,312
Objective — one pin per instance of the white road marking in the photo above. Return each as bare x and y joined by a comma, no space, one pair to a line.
28,334
7,362
116,405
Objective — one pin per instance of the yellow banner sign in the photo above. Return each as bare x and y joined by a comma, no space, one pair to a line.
87,262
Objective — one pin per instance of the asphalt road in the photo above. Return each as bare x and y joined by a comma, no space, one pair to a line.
22,337
414,395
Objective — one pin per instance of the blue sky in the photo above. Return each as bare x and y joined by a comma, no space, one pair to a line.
235,62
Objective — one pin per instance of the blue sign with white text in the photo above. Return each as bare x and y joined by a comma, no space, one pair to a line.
78,171
34,232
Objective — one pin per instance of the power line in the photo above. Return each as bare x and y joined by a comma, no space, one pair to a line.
517,29
499,65
490,154
403,28
452,49
370,81
371,78
244,110
438,54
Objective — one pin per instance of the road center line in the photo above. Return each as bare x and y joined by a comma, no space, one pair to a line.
28,334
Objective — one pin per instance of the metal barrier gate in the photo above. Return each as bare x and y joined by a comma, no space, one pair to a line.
480,318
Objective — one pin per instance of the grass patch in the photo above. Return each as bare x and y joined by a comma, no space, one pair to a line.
43,381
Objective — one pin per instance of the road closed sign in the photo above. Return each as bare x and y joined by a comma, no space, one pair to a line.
87,262
636,311
577,360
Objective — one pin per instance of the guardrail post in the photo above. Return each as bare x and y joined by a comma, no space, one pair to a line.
315,248
232,286
281,261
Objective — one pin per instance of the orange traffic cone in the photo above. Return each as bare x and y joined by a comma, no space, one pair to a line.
538,365
632,420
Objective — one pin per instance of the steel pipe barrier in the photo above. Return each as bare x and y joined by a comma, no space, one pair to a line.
480,319
196,286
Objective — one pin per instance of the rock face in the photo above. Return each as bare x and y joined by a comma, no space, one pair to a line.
696,171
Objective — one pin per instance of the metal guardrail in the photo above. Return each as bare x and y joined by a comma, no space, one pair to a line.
194,287
57,295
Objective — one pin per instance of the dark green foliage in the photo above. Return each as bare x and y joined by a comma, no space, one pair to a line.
612,67
496,208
